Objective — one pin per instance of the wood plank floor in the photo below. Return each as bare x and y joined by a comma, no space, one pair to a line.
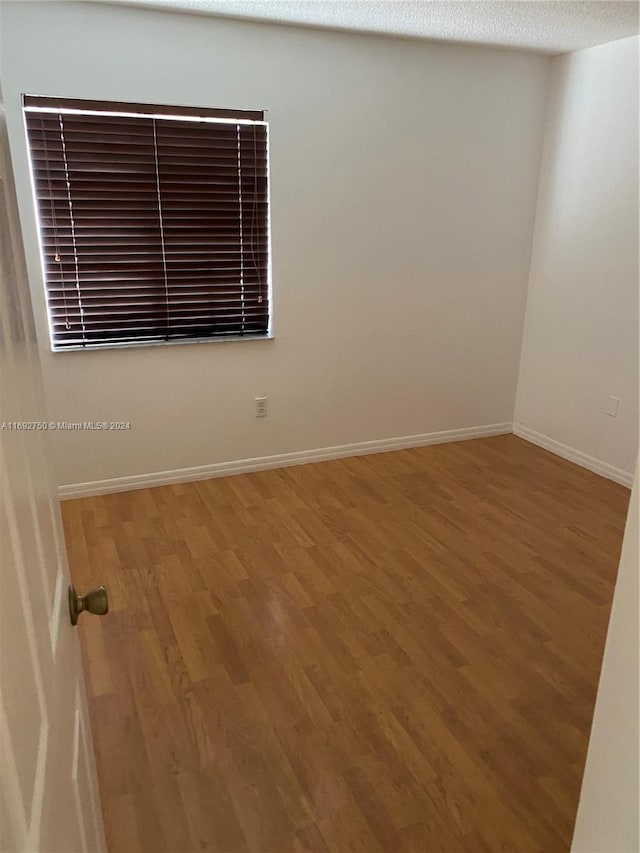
396,652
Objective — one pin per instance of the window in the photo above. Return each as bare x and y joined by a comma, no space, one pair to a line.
154,221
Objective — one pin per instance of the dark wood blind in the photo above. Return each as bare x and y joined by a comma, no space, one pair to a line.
151,228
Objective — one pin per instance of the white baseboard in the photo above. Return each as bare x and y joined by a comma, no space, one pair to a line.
625,478
281,460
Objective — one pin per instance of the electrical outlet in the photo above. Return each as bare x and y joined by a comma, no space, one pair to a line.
612,408
261,407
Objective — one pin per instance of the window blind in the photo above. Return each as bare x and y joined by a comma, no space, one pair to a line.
153,220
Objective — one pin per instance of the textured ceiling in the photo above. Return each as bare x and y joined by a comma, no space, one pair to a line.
549,27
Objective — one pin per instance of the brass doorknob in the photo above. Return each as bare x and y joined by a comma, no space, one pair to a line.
96,601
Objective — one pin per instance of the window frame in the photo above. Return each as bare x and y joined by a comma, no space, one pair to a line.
51,104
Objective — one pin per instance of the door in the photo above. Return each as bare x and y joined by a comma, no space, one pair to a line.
48,793
607,816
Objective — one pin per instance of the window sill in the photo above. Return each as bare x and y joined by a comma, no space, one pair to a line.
181,342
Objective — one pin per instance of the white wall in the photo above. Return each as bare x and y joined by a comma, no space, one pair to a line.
581,329
608,817
404,180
